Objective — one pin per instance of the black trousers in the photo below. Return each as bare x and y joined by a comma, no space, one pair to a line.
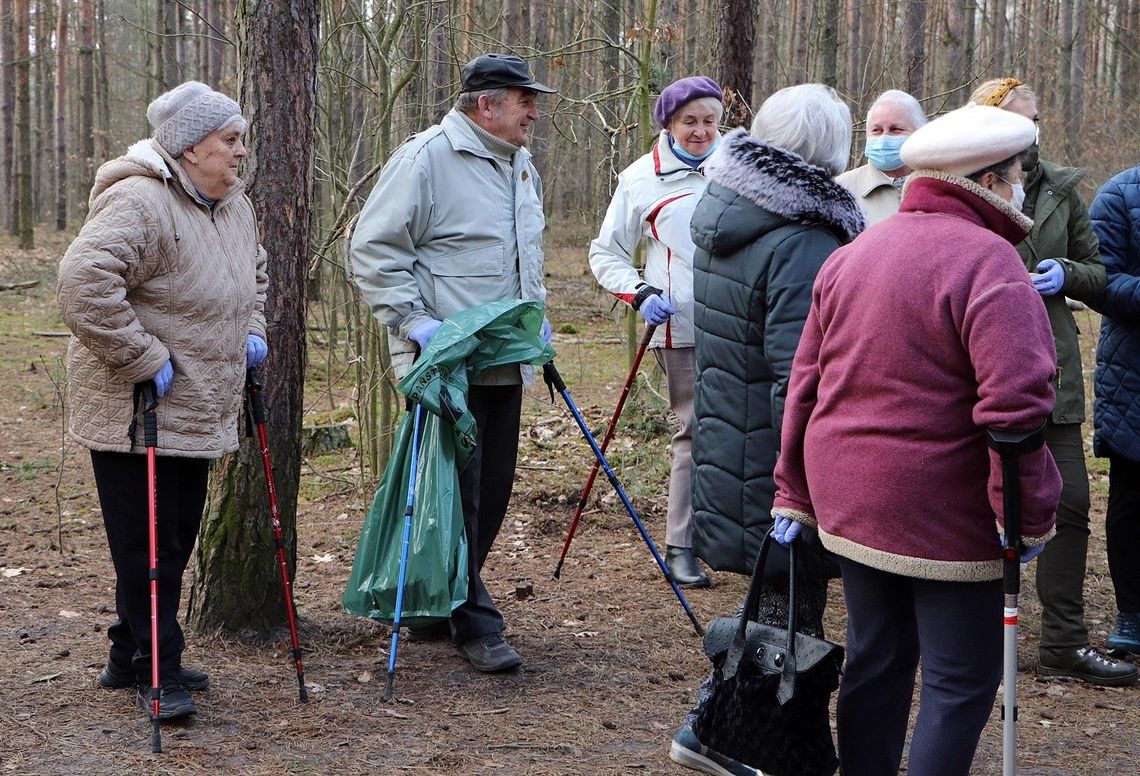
892,622
1122,530
121,479
485,488
1061,567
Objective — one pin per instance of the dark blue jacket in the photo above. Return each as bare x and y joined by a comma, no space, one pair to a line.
1116,414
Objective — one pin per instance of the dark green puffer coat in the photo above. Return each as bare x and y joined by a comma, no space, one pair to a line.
1062,230
763,228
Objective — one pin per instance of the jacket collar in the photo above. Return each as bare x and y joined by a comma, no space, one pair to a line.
869,177
781,182
459,133
666,163
934,191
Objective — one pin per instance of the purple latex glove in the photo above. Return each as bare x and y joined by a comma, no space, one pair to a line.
547,333
256,350
423,333
1049,278
163,378
655,310
785,530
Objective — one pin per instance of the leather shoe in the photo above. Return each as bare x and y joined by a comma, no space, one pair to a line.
114,677
685,568
1086,664
490,654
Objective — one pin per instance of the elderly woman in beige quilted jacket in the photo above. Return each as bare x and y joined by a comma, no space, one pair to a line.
165,283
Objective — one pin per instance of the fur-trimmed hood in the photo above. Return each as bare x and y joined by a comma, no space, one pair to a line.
781,184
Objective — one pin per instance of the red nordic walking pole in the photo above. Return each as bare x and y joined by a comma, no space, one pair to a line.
257,412
645,338
150,441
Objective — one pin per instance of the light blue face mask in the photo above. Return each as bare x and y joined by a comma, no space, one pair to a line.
883,152
683,154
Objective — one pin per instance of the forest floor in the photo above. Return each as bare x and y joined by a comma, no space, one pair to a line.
611,664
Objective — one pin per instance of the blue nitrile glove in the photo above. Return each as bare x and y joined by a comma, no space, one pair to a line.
1049,278
163,378
1027,553
785,530
423,333
256,349
655,310
547,333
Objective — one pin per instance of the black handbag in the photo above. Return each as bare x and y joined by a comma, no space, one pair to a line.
768,703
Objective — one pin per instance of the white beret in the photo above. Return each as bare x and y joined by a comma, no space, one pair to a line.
968,139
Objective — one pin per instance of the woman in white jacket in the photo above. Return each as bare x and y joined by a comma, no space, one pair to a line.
654,201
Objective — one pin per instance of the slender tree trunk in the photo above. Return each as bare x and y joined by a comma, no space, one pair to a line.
7,116
1076,113
829,44
102,83
61,116
736,37
24,217
87,92
168,27
512,23
237,587
437,52
914,46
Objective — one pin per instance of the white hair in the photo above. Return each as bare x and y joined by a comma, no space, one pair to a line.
905,101
809,120
711,103
467,102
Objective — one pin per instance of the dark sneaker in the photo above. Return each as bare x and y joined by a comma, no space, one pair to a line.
490,654
687,750
1086,664
437,631
685,568
115,678
174,700
1124,641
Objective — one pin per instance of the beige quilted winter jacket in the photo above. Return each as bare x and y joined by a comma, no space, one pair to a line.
154,275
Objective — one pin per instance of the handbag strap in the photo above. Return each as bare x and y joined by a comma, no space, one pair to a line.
752,612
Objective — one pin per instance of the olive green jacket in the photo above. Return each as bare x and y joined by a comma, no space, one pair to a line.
1062,230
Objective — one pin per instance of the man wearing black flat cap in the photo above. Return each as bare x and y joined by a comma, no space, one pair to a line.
456,221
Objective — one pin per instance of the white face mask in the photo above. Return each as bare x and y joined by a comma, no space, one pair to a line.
1018,200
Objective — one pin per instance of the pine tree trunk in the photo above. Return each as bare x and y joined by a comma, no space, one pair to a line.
736,37
24,213
61,76
87,93
829,44
7,116
914,46
237,587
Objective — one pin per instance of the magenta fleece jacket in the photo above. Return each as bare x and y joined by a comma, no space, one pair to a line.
923,332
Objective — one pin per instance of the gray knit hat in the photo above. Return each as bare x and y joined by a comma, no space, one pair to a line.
189,112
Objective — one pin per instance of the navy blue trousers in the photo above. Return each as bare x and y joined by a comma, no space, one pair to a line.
893,623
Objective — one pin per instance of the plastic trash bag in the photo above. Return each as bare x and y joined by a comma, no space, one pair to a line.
467,343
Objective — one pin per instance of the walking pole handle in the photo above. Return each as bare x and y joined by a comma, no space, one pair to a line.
1010,446
553,380
253,387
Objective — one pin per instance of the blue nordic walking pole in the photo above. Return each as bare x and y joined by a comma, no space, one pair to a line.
555,382
409,510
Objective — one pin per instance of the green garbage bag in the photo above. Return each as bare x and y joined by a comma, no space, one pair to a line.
467,343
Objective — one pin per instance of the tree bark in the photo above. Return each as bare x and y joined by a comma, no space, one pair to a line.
736,37
914,46
829,44
24,212
61,30
7,116
237,588
1076,114
87,93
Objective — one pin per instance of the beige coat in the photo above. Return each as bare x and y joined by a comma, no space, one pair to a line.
873,190
154,275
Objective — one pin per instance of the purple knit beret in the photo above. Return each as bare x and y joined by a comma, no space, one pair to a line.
681,91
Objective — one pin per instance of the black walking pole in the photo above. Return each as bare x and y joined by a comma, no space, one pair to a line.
257,412
150,441
1010,446
555,382
605,444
